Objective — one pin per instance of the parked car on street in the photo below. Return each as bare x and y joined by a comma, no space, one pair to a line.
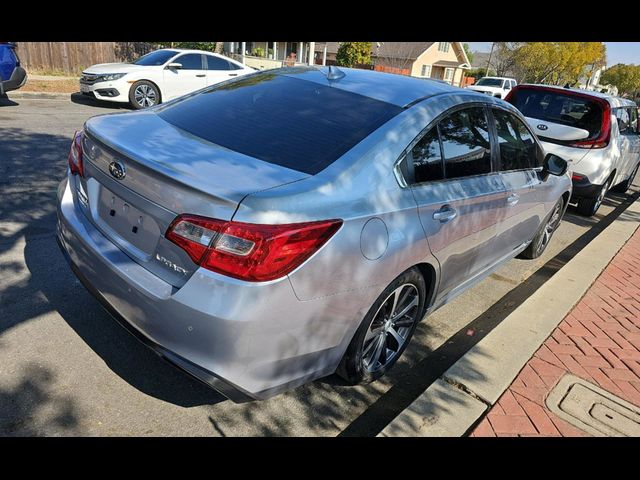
494,86
280,227
595,132
159,76
12,75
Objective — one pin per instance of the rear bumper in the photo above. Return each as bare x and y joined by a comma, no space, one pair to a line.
584,189
248,341
17,80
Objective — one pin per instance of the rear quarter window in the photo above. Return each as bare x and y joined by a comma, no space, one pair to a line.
559,107
280,119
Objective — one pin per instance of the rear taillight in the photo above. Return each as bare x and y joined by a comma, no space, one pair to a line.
75,155
576,177
251,252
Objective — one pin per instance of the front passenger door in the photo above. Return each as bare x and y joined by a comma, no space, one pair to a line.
189,78
519,160
459,197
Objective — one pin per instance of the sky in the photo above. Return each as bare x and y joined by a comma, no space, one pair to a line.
617,52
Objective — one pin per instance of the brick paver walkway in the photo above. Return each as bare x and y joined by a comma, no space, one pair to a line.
598,341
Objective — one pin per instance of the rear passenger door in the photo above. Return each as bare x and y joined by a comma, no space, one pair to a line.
218,70
519,159
627,142
459,196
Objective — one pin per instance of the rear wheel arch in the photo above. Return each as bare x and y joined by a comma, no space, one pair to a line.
429,274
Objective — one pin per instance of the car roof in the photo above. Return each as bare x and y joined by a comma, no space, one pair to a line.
189,50
499,78
612,99
399,90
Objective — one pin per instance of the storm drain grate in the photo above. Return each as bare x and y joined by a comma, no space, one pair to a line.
592,409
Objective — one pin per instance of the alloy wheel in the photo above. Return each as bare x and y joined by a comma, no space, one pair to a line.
145,96
390,328
549,228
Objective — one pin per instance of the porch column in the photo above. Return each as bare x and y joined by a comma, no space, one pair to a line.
275,50
312,53
243,46
324,56
299,57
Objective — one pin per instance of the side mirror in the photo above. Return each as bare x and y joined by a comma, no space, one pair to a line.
554,165
174,65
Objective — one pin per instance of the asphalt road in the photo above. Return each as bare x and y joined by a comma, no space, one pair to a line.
66,367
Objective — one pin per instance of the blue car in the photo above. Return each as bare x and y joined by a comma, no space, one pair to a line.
12,75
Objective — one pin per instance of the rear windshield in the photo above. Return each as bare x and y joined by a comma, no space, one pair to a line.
558,107
159,57
490,82
280,119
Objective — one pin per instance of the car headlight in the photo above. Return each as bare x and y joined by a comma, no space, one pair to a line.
111,76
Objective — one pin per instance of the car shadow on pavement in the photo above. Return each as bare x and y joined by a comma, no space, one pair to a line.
7,102
91,101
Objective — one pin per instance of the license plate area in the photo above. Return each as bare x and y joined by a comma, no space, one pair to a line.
84,88
129,225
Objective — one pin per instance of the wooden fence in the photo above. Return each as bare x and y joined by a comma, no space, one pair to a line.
73,57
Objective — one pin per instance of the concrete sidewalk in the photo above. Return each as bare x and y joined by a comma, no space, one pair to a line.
510,373
599,341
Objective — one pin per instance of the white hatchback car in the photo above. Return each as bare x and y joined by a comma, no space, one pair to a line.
159,76
596,133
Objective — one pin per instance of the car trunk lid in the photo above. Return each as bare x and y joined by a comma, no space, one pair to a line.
141,172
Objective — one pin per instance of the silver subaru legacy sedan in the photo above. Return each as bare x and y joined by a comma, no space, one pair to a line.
293,223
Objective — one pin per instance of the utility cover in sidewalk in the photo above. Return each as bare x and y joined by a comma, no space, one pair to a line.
592,409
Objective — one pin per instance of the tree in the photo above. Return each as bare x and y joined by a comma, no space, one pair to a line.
351,54
478,73
554,63
206,46
625,77
468,51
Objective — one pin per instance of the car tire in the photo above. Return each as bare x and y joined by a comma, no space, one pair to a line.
589,206
375,347
144,94
543,237
626,185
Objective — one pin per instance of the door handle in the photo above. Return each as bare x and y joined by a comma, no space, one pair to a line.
233,74
513,199
200,75
445,214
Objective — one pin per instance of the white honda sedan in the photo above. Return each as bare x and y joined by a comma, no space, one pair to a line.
159,76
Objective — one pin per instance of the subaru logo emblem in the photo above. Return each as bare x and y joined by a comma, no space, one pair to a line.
116,169
542,127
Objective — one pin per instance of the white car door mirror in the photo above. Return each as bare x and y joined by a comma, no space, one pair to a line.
174,65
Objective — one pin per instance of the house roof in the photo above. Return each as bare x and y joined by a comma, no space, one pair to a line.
447,63
410,50
332,47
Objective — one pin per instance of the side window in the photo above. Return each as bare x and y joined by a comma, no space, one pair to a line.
465,143
634,119
426,158
518,149
217,63
622,115
190,61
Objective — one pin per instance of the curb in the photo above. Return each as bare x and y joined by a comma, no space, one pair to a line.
38,95
471,386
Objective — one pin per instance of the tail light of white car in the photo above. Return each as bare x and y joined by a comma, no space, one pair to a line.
250,252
